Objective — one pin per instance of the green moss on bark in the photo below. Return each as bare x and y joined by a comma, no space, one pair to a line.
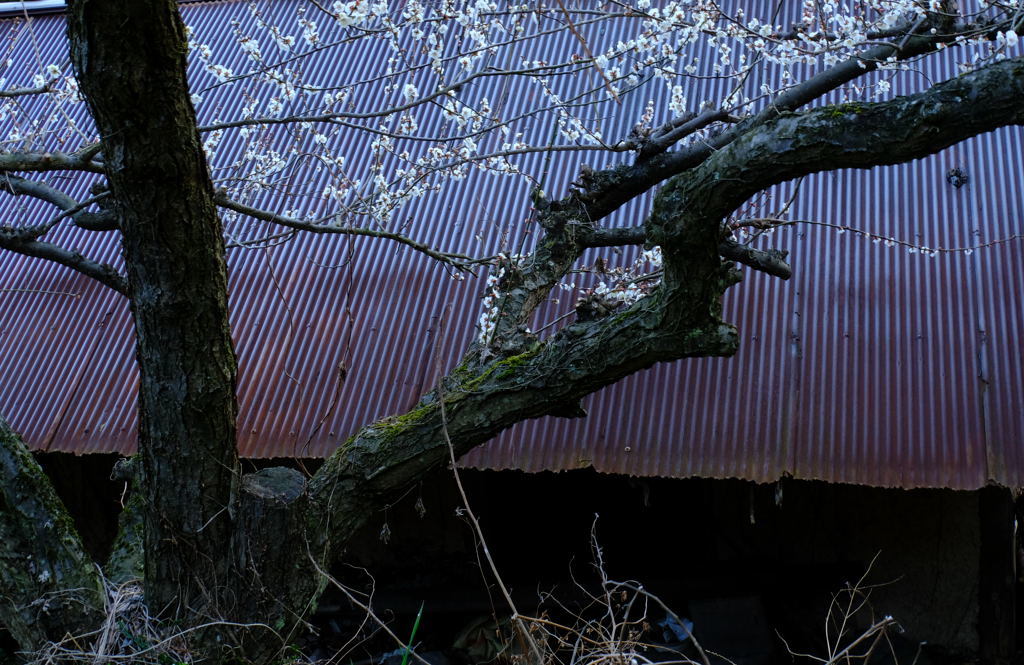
48,583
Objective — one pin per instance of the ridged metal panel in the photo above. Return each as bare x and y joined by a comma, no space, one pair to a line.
870,366
995,210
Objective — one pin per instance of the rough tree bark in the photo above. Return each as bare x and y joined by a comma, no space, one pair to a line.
49,587
130,59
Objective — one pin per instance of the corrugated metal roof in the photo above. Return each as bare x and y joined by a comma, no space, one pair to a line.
870,366
34,7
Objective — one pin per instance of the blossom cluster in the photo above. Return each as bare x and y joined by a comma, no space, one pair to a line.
621,286
28,129
504,264
434,55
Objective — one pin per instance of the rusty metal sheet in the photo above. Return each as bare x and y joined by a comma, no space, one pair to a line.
871,366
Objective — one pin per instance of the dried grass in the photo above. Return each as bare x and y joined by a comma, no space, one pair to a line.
129,633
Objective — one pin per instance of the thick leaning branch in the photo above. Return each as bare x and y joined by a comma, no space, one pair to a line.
549,377
858,135
682,318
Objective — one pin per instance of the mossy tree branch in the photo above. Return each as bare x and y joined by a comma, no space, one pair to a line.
525,378
49,587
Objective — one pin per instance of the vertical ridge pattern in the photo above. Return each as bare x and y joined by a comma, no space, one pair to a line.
871,366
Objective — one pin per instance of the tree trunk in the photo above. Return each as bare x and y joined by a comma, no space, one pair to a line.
275,553
49,587
130,56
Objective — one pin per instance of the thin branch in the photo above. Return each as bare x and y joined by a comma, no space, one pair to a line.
101,272
518,39
771,261
517,618
586,49
48,161
665,608
888,241
671,133
442,93
367,610
457,261
25,92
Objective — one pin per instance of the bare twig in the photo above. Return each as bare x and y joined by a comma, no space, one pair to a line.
517,618
129,634
456,261
23,92
368,611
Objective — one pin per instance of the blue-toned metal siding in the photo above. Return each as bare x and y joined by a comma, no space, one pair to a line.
870,366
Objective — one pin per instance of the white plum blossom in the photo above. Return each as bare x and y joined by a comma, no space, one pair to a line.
309,31
354,12
220,72
677,104
410,93
251,46
492,295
